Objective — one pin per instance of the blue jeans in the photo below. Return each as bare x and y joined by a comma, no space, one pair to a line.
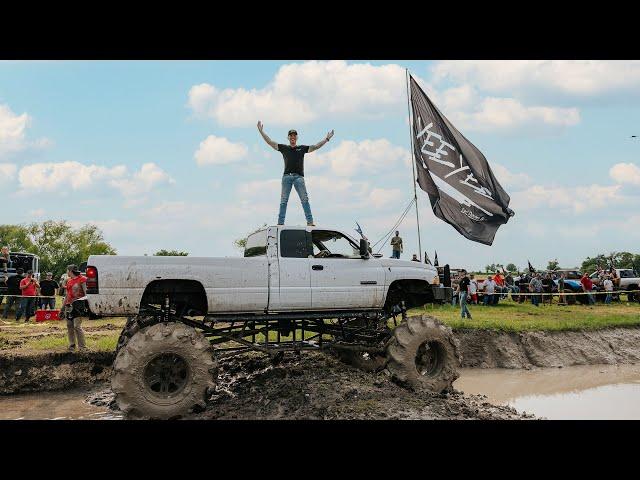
535,298
607,299
48,302
463,305
487,299
395,254
590,298
294,180
27,306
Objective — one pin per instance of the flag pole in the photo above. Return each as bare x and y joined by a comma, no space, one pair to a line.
413,167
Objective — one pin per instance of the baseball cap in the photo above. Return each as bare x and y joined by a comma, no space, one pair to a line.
292,132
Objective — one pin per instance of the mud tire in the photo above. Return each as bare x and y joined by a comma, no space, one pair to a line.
365,361
133,326
133,384
423,343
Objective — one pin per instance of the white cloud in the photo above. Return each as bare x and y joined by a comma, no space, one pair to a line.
302,92
351,158
382,197
219,151
77,176
38,212
625,173
581,199
508,178
577,78
7,172
509,114
144,180
12,130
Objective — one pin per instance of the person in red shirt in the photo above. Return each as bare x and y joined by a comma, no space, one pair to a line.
75,307
587,286
29,289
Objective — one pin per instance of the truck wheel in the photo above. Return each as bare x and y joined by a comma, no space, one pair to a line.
163,372
366,361
423,355
133,325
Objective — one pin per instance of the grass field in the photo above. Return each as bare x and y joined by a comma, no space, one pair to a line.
102,335
511,316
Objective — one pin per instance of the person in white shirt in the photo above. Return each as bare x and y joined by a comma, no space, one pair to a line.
489,289
608,287
473,289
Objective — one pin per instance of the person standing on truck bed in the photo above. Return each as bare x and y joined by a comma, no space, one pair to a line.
396,246
13,292
293,176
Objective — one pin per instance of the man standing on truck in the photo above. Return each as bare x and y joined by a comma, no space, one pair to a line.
76,288
396,246
293,176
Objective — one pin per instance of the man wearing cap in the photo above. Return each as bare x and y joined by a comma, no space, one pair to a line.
293,176
48,289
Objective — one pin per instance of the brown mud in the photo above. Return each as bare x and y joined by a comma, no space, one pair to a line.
22,372
317,386
493,349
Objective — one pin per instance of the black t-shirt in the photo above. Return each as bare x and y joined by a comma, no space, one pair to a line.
293,158
13,285
547,283
48,287
464,285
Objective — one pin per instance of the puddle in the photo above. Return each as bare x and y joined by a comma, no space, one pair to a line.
600,392
63,405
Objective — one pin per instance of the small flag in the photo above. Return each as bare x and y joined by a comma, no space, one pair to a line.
531,269
435,262
426,259
359,230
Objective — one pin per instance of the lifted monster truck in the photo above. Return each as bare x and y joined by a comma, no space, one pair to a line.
297,288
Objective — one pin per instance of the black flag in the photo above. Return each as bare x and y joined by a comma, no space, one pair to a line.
531,269
435,261
461,186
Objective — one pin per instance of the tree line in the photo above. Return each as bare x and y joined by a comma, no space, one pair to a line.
590,264
58,244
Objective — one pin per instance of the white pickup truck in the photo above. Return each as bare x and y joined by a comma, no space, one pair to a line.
283,269
296,288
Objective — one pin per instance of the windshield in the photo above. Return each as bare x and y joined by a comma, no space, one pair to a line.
333,245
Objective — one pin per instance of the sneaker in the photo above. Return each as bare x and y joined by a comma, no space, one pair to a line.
72,348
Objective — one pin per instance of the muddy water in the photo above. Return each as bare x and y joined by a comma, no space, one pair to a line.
62,405
603,392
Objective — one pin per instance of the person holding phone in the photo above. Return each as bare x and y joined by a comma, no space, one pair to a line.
29,288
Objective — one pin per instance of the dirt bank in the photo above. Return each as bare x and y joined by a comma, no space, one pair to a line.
43,371
493,349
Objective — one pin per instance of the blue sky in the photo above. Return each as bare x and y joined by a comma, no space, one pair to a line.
166,154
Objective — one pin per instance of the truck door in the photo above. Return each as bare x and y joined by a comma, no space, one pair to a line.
340,278
293,263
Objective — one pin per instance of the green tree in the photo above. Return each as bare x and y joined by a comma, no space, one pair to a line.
170,253
619,260
511,267
58,244
553,264
16,237
240,243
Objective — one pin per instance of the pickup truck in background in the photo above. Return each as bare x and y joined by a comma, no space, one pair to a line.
296,288
628,280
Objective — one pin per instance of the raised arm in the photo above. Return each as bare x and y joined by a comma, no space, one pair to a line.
321,142
271,143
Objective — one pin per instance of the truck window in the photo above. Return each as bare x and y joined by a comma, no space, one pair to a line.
256,244
334,245
626,273
294,244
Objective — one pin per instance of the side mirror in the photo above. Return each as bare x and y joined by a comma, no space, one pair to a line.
364,248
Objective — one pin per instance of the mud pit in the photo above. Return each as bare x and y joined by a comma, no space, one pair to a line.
319,387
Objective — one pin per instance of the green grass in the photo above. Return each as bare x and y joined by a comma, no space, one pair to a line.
515,317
